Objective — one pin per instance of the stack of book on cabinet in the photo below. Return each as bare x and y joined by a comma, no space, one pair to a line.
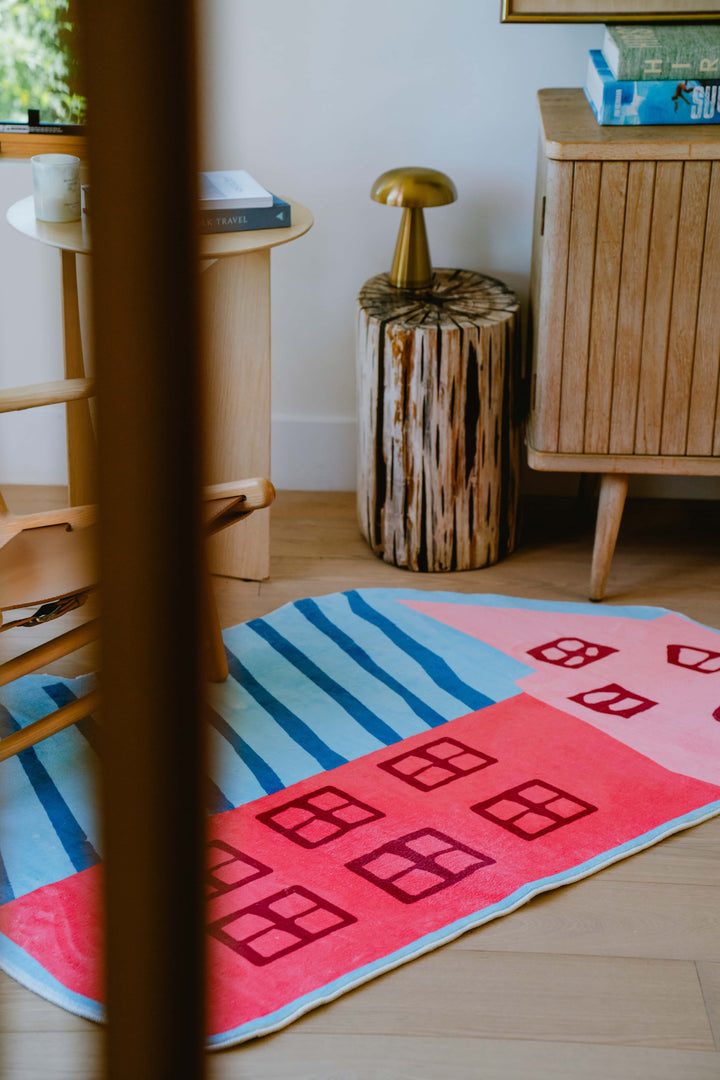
232,201
652,74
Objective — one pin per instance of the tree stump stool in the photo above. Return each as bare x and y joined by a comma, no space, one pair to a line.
439,437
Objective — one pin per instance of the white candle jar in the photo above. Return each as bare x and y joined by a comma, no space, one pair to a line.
56,187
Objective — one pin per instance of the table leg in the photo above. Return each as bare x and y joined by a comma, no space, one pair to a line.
236,327
613,490
80,434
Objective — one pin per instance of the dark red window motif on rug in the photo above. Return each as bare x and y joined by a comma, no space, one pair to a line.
533,809
688,656
319,817
419,864
280,924
570,652
226,869
614,700
437,763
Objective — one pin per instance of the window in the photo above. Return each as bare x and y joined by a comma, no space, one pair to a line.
40,80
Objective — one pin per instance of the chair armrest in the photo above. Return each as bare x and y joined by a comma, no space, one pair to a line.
76,517
225,504
48,393
256,492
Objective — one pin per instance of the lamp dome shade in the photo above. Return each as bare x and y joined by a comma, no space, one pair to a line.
414,186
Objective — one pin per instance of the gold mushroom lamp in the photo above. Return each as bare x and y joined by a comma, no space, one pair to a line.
436,385
413,188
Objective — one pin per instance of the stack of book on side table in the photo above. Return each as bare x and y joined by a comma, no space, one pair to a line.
231,201
652,74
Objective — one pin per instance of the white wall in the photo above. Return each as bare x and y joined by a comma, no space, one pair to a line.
316,98
32,445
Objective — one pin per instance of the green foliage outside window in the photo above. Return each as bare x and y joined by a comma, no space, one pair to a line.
37,67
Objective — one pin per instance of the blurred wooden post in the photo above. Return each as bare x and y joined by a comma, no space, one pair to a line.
139,58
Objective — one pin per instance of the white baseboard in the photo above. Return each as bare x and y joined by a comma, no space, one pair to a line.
314,453
309,453
319,454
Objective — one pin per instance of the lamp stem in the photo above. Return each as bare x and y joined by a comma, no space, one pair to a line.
411,266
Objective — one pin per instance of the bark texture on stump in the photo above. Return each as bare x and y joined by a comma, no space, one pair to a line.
439,438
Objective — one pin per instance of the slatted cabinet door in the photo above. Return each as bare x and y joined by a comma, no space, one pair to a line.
658,301
606,314
632,220
578,304
704,413
549,290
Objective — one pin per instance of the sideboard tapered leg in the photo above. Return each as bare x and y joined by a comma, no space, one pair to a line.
613,490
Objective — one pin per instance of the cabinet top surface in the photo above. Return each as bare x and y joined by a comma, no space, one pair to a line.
571,133
75,235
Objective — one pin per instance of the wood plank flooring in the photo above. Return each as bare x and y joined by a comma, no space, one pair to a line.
616,977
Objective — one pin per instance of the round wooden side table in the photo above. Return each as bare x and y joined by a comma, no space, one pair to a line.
439,438
235,293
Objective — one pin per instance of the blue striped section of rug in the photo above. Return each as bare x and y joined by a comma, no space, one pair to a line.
48,820
312,685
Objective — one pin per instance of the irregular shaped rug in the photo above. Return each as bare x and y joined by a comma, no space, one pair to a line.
391,769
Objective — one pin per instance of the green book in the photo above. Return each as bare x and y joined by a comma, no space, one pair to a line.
638,51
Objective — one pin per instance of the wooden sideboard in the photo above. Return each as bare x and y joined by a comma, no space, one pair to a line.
625,299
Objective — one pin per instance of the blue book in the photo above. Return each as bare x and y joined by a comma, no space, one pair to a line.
649,101
276,216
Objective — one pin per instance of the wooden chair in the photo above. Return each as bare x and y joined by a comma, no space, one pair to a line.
47,565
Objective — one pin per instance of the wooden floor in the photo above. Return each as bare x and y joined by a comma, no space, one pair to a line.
614,978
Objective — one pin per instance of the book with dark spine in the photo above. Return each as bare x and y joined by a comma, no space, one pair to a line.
277,216
42,129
